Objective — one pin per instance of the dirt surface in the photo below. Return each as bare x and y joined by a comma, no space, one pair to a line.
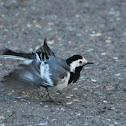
95,29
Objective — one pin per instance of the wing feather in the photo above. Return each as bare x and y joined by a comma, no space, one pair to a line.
26,77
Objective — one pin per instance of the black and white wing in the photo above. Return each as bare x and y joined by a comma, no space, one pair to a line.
44,69
43,52
29,76
46,73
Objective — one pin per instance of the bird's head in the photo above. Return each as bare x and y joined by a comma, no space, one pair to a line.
77,62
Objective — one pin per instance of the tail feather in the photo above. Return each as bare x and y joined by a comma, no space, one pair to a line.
43,52
12,54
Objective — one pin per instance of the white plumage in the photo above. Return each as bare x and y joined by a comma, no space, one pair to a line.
45,73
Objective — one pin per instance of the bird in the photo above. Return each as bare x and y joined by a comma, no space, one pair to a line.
43,68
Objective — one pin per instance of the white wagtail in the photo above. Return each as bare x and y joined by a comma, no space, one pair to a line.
43,69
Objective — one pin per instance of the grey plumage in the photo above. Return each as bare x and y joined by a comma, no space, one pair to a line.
28,75
43,69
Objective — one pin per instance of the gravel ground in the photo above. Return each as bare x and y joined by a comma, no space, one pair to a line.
93,28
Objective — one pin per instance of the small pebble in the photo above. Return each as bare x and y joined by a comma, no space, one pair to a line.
113,108
89,50
93,32
75,100
29,25
46,106
108,41
69,103
68,97
38,26
75,89
77,15
9,42
105,101
78,114
82,78
50,42
50,23
98,34
109,88
68,124
43,123
9,111
116,123
78,34
93,80
96,86
62,109
2,124
71,95
19,97
92,35
34,21
2,117
53,119
49,29
117,74
115,58
103,54
111,125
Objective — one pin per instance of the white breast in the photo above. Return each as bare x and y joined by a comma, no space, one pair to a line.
63,83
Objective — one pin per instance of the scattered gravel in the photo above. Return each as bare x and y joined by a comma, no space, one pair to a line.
93,28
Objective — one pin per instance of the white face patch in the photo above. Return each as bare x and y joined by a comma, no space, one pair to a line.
77,63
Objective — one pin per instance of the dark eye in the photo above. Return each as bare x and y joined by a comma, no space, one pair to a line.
80,62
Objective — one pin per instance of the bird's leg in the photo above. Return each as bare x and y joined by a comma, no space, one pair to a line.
49,95
50,98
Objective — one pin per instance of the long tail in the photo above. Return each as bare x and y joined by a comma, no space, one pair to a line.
9,53
43,52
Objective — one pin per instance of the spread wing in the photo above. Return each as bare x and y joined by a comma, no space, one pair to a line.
43,69
44,51
28,77
36,74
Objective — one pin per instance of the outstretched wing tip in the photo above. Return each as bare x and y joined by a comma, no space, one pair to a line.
45,41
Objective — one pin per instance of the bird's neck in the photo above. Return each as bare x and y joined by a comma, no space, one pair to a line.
74,76
70,62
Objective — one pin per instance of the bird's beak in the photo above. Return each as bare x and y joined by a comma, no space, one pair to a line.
89,63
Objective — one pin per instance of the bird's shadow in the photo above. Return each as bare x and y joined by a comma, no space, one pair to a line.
37,96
